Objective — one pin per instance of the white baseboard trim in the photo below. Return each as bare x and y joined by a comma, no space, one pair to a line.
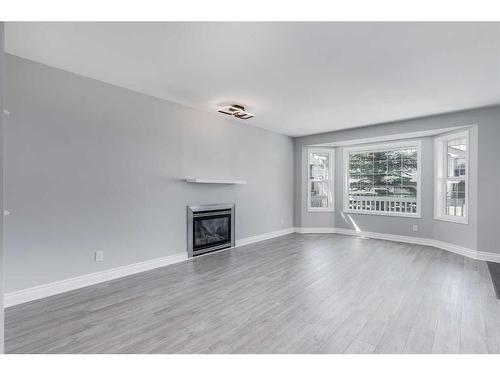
57,287
315,230
471,253
265,236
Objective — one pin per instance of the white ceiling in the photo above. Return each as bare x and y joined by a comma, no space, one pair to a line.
297,78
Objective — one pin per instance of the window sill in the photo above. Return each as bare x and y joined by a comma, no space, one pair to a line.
320,210
393,214
451,219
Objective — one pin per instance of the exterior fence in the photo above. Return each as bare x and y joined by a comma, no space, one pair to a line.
383,204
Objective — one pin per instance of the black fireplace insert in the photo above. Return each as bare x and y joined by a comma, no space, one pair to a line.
211,228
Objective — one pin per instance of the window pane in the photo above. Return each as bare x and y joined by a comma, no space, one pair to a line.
319,194
455,198
409,173
380,167
355,163
395,159
409,165
380,190
456,157
319,166
354,183
384,181
366,165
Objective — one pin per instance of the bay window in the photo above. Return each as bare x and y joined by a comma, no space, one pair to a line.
383,179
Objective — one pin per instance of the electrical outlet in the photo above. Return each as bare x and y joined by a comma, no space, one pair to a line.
99,256
282,221
415,227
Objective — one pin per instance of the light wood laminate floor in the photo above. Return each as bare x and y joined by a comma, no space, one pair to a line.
299,293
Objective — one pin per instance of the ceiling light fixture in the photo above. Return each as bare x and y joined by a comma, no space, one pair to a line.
237,111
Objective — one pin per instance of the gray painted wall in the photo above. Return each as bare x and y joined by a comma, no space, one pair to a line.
1,187
90,166
480,233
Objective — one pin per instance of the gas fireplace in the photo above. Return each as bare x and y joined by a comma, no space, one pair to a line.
209,228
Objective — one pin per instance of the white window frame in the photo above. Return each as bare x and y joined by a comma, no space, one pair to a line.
440,178
383,147
331,170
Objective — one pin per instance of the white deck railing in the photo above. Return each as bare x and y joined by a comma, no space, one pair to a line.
319,201
383,204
